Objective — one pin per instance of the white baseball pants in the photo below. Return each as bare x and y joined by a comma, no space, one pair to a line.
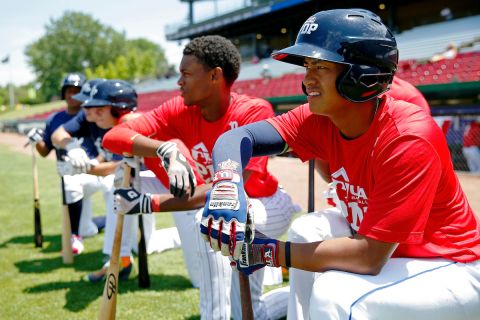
219,286
156,240
472,155
406,288
83,187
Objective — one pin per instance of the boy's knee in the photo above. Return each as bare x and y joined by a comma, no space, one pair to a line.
327,300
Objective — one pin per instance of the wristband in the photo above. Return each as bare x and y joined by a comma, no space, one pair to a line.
155,198
287,254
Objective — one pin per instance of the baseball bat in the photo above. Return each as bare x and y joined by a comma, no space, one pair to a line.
311,185
143,275
67,254
108,305
245,296
38,237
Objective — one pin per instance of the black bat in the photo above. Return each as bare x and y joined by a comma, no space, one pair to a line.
38,237
143,275
311,185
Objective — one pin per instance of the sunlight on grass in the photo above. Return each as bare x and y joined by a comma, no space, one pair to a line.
35,282
31,110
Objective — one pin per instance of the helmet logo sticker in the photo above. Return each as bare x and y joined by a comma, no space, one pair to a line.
93,92
309,26
74,78
86,88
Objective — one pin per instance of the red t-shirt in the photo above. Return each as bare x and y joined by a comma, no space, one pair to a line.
405,91
174,120
400,169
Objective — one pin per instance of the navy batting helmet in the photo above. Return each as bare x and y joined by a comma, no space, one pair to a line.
116,93
84,94
72,80
356,38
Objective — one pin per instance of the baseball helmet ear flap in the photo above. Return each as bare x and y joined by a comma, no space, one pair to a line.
360,83
304,89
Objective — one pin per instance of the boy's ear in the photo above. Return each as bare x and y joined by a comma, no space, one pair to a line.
217,73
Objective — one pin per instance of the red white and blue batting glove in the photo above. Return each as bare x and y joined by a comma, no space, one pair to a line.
262,252
227,219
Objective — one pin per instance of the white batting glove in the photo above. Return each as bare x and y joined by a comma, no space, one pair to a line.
118,179
65,168
35,135
77,156
180,174
130,201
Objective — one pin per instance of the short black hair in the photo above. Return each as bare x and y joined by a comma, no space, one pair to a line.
216,51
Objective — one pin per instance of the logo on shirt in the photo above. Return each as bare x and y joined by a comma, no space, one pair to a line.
203,162
352,199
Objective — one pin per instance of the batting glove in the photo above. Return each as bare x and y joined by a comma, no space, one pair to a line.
118,178
180,174
35,135
131,202
65,168
262,252
227,219
77,156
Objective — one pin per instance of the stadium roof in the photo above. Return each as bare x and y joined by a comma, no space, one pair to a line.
264,16
237,19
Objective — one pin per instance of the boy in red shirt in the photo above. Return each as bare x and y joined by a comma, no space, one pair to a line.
408,244
206,109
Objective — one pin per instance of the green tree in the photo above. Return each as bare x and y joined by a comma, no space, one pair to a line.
76,42
69,43
4,96
152,61
142,59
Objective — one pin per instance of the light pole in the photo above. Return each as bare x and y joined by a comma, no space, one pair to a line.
10,82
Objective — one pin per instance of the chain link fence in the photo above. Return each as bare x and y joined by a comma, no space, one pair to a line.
462,132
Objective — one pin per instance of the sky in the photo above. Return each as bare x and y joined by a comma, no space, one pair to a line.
23,22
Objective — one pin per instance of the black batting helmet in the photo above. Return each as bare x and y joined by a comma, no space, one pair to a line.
356,38
72,80
84,94
116,93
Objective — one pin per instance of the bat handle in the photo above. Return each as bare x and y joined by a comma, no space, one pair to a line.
245,296
38,237
311,185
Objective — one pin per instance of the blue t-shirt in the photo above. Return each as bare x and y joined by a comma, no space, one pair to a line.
54,121
78,127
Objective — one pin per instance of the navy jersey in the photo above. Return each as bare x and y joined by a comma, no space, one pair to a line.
78,127
54,121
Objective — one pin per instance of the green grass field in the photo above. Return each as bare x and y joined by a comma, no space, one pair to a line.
30,110
35,284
